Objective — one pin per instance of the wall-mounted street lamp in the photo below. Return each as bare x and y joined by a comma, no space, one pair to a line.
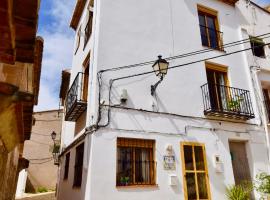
56,149
160,68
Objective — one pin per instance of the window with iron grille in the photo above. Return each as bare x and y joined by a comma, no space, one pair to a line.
88,28
78,166
257,46
135,162
66,166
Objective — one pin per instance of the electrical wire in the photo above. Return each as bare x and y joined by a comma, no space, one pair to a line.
40,163
190,63
99,74
169,68
40,158
41,134
231,44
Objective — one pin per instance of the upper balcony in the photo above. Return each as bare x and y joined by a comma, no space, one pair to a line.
227,102
76,100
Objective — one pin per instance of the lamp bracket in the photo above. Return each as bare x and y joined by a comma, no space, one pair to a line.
154,87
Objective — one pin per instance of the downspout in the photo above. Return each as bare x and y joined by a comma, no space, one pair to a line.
257,89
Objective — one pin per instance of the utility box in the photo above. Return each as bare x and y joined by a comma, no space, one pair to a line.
172,180
218,164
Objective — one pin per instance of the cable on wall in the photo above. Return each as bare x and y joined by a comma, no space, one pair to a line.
169,68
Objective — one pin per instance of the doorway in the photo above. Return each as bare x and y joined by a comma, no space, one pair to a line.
239,162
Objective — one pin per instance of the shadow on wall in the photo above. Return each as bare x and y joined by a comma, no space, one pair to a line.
29,188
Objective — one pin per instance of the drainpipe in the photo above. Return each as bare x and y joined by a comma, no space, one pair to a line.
264,120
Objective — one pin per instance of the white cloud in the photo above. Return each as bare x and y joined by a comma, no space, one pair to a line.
58,49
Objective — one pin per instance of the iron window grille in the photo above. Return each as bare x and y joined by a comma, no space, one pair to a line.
88,28
66,166
135,163
78,168
211,38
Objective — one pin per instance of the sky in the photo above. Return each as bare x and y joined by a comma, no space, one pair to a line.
54,18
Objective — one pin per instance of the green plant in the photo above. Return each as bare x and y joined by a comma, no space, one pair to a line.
263,183
124,180
234,104
239,192
56,148
42,189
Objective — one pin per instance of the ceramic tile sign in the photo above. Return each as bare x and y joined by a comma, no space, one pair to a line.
169,162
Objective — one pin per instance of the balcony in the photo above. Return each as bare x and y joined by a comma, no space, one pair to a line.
76,100
211,38
226,102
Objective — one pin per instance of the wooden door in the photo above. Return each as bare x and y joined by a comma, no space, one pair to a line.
267,102
217,82
85,80
239,162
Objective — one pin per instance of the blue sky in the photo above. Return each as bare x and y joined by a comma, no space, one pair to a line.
54,18
263,2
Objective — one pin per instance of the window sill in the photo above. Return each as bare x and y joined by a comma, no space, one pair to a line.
137,186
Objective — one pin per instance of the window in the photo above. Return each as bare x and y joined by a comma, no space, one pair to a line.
196,183
78,166
135,162
78,39
257,46
66,166
85,78
209,28
88,28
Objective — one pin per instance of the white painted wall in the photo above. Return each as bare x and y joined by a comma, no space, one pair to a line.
128,32
21,183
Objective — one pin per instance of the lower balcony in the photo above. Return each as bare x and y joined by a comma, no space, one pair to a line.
76,100
226,102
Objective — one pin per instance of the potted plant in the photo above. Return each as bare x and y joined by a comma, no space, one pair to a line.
124,180
234,104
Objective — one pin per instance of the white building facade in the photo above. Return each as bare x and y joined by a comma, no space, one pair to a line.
202,128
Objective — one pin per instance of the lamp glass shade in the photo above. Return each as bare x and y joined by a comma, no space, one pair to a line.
53,135
160,67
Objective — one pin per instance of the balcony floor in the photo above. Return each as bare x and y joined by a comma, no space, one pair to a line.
228,114
75,111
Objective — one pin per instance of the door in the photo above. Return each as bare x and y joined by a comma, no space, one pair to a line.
267,102
239,162
85,80
217,83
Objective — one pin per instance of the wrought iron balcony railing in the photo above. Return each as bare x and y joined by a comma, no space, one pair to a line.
226,102
76,100
211,38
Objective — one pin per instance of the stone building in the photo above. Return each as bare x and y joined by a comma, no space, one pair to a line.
42,171
20,68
